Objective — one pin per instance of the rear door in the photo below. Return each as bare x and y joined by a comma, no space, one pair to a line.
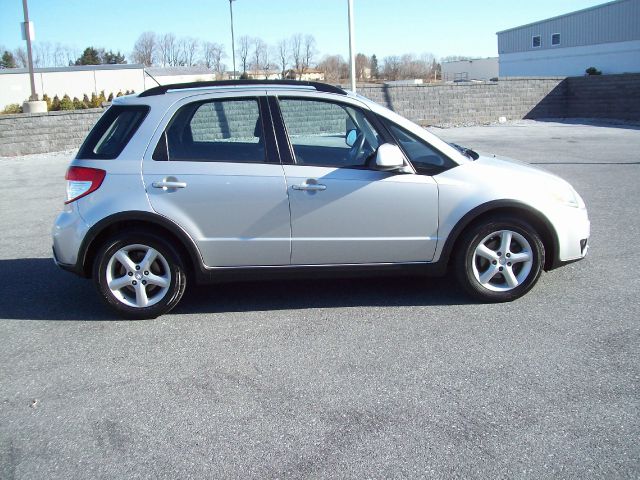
213,169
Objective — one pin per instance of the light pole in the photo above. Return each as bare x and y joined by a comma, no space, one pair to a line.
27,35
233,45
352,53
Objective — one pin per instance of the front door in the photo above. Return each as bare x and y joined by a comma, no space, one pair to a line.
343,211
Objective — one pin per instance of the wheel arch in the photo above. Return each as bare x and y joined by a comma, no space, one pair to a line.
496,208
150,222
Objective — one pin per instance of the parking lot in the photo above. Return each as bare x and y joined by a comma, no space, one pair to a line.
366,378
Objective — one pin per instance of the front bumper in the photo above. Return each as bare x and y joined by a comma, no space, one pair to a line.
573,231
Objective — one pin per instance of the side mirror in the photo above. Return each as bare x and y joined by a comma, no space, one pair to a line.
351,137
389,157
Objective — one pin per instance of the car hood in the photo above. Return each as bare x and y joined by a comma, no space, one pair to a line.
509,167
490,178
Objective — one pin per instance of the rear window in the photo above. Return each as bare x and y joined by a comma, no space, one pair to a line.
113,131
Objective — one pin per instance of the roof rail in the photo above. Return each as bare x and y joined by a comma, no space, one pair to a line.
319,86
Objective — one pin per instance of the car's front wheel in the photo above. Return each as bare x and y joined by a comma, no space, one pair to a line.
139,274
499,260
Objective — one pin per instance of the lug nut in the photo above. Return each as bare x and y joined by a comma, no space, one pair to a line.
146,272
508,264
131,274
501,268
499,254
508,254
495,262
137,267
144,282
134,283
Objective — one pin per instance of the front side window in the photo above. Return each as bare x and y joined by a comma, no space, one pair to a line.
425,159
329,134
214,131
536,41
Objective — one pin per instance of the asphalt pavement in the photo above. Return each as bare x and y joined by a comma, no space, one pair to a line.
366,378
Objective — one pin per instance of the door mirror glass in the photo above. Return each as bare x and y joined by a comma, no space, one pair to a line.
351,137
389,157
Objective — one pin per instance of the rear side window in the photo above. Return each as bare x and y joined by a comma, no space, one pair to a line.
215,131
113,131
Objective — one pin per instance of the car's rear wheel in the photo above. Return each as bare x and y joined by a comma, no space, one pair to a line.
139,274
499,260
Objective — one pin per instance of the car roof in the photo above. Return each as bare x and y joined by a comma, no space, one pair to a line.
318,86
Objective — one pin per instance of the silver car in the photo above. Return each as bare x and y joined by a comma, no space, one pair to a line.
199,182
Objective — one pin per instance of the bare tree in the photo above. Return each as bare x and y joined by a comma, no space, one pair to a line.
59,55
72,54
145,48
415,67
309,51
42,54
244,48
282,54
20,54
391,67
266,63
189,48
454,58
334,67
362,66
259,54
212,55
297,53
166,49
409,66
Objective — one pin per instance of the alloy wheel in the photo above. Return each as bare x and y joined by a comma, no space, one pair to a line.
138,276
502,260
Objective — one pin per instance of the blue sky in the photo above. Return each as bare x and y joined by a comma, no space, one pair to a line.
383,27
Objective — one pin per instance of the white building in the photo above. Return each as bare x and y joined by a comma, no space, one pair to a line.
606,37
77,81
475,69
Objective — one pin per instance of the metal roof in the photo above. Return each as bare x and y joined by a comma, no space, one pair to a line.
564,15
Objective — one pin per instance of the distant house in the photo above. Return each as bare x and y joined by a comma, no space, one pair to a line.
606,37
475,69
312,75
264,74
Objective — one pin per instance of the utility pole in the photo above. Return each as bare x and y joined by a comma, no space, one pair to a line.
27,34
233,45
352,53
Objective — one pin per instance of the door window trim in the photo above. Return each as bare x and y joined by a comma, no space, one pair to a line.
271,157
283,134
437,170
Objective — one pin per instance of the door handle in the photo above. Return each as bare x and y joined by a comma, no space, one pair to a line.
310,187
165,185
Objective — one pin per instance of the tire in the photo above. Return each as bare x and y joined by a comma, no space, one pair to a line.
140,275
492,275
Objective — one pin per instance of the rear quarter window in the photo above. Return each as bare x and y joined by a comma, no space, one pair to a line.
113,131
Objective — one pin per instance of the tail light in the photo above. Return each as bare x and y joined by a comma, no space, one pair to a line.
82,181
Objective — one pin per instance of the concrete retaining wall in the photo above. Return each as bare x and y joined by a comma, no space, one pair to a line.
607,96
468,103
23,134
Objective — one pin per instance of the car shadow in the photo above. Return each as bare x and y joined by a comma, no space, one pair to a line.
35,289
